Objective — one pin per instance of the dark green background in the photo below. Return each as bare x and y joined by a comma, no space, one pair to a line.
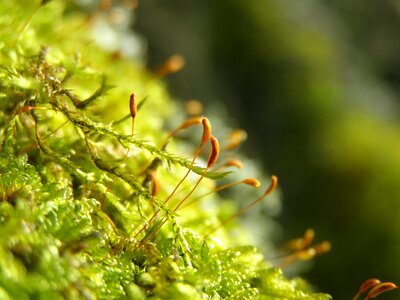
317,86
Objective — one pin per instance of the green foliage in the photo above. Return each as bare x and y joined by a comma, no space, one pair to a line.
72,200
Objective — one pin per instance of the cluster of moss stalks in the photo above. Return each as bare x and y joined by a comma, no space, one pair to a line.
72,197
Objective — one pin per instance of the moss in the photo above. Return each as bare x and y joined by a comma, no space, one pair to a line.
72,199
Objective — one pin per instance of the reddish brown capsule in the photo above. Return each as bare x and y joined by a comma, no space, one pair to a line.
303,242
27,108
234,163
237,137
214,151
366,285
272,186
172,65
322,248
133,105
133,110
252,182
308,238
206,130
155,183
306,254
379,289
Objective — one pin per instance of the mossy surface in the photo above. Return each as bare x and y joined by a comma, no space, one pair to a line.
72,199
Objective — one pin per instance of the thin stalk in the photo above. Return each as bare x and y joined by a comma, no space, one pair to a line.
271,188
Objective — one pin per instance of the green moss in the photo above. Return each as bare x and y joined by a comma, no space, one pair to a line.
72,201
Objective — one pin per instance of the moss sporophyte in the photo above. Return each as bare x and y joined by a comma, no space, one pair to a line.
91,206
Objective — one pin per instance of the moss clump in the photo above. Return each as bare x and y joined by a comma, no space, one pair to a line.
72,199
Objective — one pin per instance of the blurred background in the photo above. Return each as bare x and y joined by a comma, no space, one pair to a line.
316,84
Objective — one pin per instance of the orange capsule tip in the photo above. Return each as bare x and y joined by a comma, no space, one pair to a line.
234,163
172,65
236,138
193,107
310,233
252,182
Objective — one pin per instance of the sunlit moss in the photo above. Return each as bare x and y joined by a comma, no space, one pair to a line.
71,200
